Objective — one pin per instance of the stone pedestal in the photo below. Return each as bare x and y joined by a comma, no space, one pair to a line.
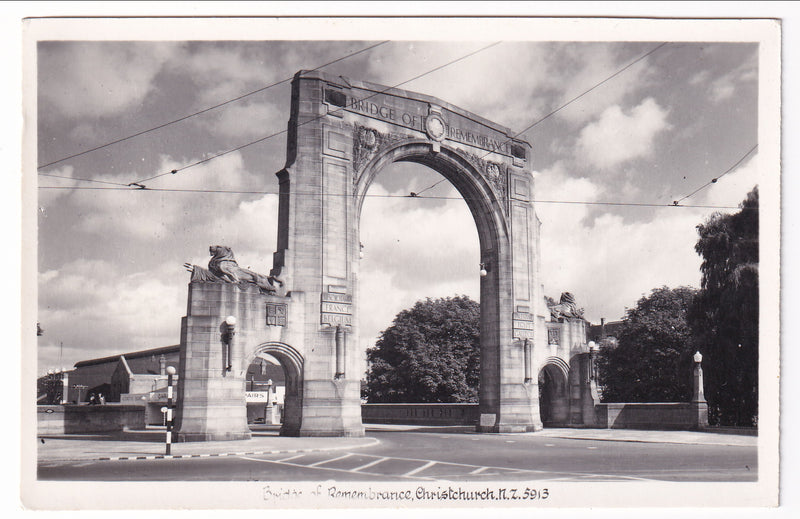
699,404
211,402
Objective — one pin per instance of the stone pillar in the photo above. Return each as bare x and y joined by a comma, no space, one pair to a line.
318,245
211,403
699,404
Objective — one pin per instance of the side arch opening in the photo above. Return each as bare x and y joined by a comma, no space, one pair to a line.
554,393
291,403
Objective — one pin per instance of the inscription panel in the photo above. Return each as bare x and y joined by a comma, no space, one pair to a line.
336,144
337,308
336,297
334,319
334,219
413,114
523,334
523,325
521,252
522,190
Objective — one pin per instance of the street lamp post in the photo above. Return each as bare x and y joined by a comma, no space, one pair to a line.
699,404
592,360
227,337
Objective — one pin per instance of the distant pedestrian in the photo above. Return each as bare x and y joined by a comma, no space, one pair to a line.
92,399
102,399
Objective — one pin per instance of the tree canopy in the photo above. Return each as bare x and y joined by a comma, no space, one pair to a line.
652,360
725,315
430,353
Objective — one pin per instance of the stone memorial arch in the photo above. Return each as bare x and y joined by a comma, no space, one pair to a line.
341,134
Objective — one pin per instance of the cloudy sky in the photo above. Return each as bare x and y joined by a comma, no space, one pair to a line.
110,278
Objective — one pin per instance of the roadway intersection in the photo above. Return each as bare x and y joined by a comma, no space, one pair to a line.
431,454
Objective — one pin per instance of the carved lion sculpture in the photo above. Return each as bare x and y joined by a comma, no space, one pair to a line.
566,307
223,268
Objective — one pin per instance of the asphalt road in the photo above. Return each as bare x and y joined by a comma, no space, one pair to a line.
436,456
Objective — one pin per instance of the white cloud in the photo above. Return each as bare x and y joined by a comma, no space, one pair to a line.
606,261
153,215
224,72
246,120
724,87
609,262
618,137
731,189
95,309
413,252
93,79
575,68
48,197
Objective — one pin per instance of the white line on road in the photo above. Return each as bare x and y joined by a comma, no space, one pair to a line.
370,464
420,469
328,461
291,458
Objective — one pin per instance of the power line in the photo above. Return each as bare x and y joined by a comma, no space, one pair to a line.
83,179
612,76
715,179
206,109
435,69
245,192
640,58
429,187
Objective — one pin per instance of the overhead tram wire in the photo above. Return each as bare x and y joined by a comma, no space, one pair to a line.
715,179
413,194
203,161
96,148
244,192
612,76
84,179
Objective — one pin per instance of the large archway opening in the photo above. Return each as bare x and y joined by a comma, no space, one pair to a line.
486,211
415,248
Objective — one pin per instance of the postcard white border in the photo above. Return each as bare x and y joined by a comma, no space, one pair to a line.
247,495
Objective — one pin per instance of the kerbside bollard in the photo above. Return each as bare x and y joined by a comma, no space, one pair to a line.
170,373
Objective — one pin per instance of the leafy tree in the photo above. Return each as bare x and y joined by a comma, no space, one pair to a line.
652,360
430,353
725,315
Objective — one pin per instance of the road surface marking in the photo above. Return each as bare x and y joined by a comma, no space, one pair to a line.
328,461
479,470
420,469
370,464
291,458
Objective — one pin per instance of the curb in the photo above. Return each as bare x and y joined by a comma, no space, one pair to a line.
632,440
372,442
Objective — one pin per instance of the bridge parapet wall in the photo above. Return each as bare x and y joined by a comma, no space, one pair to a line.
420,414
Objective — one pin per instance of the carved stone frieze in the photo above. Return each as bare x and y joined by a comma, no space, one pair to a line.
367,142
495,174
